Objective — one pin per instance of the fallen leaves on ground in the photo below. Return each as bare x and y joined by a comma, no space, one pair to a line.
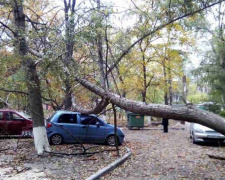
25,164
155,155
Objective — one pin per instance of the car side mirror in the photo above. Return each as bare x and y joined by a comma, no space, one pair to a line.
98,124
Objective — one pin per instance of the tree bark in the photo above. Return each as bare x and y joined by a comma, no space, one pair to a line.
185,113
100,53
69,44
32,80
184,89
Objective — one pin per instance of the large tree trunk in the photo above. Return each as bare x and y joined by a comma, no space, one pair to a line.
69,44
33,84
101,59
185,113
184,89
100,52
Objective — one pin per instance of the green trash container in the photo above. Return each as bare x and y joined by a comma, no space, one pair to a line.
135,120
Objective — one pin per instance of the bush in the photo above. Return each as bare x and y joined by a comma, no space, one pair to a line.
222,113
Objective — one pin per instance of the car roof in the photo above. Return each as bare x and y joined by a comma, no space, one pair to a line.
88,115
8,110
64,111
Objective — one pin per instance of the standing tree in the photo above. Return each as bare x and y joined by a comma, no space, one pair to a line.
18,30
211,72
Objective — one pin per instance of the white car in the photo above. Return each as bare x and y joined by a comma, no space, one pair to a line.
200,133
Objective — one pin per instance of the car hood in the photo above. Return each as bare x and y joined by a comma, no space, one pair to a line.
118,129
111,126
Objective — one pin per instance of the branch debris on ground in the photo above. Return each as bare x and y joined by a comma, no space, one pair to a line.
155,155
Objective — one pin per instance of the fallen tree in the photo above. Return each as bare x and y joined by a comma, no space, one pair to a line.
187,113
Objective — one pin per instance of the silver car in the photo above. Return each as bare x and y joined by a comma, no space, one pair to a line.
200,133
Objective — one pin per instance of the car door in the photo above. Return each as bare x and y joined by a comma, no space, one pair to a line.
92,129
3,128
15,123
67,126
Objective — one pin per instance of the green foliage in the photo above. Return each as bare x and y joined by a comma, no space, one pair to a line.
145,68
222,113
195,96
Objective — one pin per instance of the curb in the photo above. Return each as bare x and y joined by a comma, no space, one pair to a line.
111,166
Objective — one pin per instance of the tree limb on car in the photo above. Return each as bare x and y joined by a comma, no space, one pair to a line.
185,113
96,110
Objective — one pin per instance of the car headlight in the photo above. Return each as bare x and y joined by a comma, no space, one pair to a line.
121,130
199,131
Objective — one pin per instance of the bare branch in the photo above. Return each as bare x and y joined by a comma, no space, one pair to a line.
140,9
26,93
158,28
38,16
35,53
34,22
14,91
14,33
216,157
4,102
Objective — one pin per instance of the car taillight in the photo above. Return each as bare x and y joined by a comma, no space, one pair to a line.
49,125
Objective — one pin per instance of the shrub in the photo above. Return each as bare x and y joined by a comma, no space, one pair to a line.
222,113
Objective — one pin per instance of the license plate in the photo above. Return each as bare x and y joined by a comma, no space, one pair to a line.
216,137
27,133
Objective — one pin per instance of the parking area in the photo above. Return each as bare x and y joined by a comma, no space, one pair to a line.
155,155
158,155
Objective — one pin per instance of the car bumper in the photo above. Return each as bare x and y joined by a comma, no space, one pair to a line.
201,137
49,132
121,139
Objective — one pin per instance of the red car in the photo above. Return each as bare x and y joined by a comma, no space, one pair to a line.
15,123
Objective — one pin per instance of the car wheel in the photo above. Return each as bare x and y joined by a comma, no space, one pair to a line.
190,134
56,139
193,139
111,141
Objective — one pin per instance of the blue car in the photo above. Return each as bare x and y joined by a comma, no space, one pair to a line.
72,127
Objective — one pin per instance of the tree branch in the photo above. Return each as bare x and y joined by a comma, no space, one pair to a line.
183,113
14,91
216,157
158,28
98,108
26,93
7,27
35,53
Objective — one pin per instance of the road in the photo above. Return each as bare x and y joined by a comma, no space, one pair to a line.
158,155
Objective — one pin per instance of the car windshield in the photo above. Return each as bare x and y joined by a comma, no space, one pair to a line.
24,115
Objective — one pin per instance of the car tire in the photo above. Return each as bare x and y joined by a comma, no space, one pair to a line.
56,139
111,140
190,134
193,139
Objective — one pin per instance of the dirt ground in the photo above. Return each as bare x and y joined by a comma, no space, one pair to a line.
156,155
168,156
24,164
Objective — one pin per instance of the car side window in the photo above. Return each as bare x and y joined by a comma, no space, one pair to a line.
1,116
8,116
67,118
16,116
89,120
13,116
